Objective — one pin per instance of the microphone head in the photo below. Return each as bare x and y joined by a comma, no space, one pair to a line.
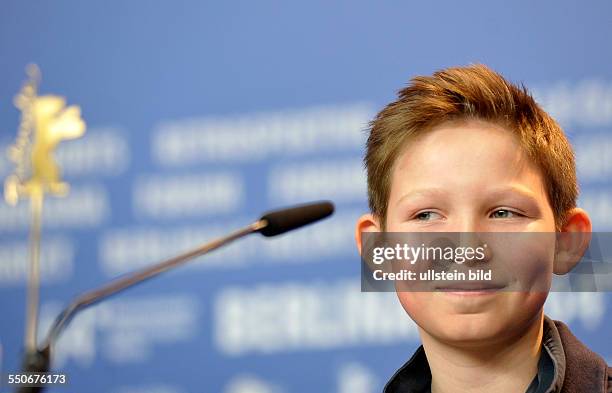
284,220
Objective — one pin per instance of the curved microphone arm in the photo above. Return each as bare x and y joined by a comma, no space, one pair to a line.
270,224
94,296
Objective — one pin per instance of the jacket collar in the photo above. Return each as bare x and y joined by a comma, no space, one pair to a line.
551,343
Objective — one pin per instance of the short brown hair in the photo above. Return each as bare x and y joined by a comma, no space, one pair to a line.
472,92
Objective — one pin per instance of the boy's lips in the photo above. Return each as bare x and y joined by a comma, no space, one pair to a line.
468,287
470,291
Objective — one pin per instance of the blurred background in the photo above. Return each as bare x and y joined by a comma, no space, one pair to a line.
201,115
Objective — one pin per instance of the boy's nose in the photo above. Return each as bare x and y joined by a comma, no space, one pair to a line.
467,224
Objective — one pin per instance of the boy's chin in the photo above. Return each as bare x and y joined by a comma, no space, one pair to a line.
473,319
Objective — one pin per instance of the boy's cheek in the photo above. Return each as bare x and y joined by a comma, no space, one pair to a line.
418,306
522,261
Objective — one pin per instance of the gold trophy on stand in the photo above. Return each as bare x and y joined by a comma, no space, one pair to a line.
45,121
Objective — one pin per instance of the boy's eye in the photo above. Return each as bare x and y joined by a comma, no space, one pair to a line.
426,216
504,213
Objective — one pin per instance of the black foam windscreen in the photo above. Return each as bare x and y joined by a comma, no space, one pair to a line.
284,220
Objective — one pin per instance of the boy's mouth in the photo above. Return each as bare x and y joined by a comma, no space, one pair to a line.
468,287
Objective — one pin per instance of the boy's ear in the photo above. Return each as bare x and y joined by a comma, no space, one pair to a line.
572,241
366,223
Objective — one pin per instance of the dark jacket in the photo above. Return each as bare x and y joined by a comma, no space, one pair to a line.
573,367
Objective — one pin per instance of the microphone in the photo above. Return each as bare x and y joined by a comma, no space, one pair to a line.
284,220
270,224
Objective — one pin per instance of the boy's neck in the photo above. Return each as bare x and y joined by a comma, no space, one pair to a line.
508,366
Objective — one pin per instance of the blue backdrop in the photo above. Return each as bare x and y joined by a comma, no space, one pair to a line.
200,116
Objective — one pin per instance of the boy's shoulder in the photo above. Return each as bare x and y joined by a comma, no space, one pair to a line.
580,369
576,369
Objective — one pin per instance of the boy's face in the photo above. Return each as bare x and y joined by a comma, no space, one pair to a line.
469,176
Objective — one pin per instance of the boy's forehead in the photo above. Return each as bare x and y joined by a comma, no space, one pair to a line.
466,155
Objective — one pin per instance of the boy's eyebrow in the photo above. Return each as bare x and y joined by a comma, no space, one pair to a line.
498,192
520,189
426,192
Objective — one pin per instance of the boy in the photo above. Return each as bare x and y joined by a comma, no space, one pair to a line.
464,150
